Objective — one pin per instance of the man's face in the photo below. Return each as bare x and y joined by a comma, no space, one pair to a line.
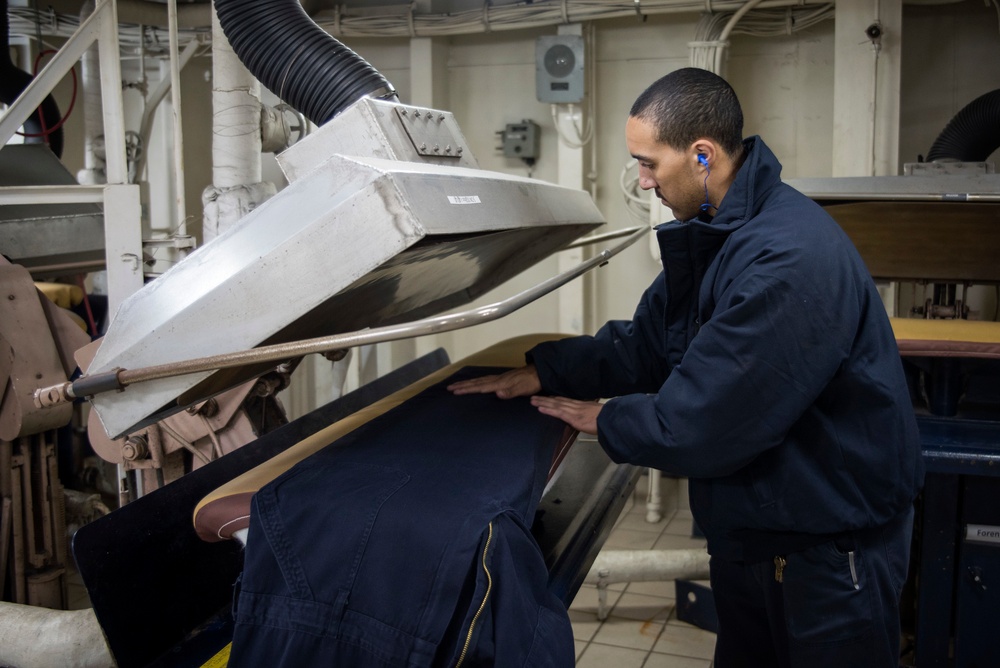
673,175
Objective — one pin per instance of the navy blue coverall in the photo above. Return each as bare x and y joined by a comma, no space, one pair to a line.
407,543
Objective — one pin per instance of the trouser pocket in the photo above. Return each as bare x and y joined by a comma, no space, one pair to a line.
827,594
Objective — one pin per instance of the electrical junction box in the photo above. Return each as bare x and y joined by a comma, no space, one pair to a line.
559,69
520,140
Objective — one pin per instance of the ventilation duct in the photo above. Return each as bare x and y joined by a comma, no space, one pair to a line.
972,134
296,59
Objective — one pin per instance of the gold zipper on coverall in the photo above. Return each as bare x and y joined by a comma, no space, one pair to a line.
482,606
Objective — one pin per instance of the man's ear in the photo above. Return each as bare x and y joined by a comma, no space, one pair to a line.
704,152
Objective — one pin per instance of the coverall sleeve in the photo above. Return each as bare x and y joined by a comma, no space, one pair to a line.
621,358
774,341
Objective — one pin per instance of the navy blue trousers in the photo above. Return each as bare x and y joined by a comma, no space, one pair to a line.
837,604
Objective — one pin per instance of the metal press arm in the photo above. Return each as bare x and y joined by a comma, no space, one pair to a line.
110,381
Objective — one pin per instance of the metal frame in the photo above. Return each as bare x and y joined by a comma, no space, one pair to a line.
122,224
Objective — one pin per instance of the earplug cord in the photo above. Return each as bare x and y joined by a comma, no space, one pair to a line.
707,205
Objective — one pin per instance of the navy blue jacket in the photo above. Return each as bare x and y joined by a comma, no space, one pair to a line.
407,543
761,365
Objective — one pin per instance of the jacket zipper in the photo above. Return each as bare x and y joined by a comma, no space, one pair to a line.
486,597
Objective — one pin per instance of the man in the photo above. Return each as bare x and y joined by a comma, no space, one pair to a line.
761,365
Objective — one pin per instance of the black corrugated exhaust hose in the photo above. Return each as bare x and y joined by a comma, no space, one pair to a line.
296,59
13,81
972,134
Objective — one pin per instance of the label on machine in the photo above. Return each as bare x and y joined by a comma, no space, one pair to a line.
982,533
464,199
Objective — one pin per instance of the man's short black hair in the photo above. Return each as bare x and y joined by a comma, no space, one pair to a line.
690,103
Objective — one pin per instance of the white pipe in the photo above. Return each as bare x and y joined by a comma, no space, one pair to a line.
644,566
152,103
175,104
236,141
724,36
648,566
93,112
654,501
34,637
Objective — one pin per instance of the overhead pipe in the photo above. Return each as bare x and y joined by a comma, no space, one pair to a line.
972,134
13,80
148,13
296,59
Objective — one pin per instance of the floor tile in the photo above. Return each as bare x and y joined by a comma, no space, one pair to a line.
622,632
671,661
583,612
636,521
630,539
643,608
679,526
685,640
668,541
603,656
586,598
665,589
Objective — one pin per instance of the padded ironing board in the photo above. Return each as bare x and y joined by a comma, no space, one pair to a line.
226,510
947,338
952,356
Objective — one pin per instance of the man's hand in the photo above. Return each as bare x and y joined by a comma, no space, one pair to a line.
581,415
521,382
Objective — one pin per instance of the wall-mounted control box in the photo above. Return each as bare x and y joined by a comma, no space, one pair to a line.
520,140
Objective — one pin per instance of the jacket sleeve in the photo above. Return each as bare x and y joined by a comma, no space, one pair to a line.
623,357
777,336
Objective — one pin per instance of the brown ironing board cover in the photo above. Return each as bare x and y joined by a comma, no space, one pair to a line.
947,338
226,510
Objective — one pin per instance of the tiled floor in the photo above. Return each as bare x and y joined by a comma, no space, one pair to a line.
642,629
